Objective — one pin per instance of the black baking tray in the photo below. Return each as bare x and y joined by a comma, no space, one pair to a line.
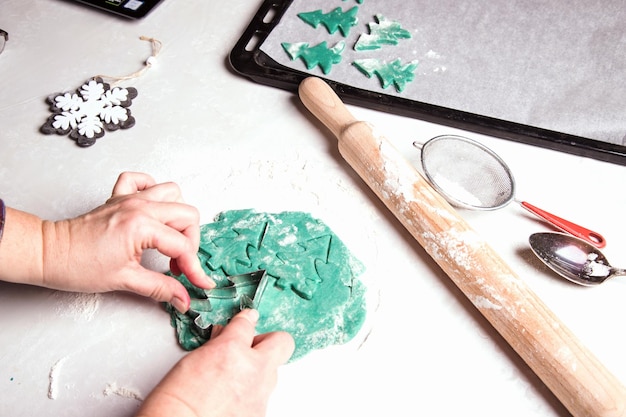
250,61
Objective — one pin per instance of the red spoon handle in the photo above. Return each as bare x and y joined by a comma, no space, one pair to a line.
596,239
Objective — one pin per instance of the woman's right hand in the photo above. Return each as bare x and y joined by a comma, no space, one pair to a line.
231,375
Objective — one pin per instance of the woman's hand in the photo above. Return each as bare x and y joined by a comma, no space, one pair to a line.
101,250
231,375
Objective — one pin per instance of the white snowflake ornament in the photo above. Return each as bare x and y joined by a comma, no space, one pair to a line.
91,110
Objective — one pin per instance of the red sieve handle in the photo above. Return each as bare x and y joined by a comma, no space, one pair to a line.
596,239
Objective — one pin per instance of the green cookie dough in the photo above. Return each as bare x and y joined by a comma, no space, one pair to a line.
319,55
336,19
384,32
393,73
310,287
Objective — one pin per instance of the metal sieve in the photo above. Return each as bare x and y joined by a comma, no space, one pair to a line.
470,175
467,173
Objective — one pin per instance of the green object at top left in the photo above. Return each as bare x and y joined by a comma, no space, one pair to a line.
289,266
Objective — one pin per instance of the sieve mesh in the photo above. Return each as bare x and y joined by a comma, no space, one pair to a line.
467,173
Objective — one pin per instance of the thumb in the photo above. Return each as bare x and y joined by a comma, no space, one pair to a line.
159,287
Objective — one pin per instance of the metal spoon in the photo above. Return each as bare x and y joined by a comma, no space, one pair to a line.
573,258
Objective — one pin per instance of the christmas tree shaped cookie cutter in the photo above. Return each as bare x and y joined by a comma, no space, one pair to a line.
245,291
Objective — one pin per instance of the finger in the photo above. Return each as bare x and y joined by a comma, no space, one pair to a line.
216,330
159,287
131,183
174,244
277,347
192,269
241,327
174,269
181,217
183,221
164,192
196,276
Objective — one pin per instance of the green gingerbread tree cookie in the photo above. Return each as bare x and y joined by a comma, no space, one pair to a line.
384,32
319,55
337,19
388,73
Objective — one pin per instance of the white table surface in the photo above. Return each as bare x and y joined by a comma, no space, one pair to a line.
231,144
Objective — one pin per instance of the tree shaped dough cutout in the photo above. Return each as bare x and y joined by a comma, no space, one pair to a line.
332,21
392,73
289,266
382,32
319,55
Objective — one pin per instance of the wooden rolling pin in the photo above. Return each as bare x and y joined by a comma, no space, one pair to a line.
551,350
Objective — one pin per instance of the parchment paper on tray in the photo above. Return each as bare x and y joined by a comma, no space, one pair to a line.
552,65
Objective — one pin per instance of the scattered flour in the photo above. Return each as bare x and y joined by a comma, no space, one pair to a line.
82,307
595,268
53,376
114,389
432,54
456,193
483,303
401,179
399,176
111,389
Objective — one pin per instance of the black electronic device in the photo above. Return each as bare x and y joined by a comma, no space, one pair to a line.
133,9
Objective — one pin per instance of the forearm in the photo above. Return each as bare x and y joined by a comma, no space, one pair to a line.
21,248
101,251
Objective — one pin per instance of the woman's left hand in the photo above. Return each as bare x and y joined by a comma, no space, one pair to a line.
101,250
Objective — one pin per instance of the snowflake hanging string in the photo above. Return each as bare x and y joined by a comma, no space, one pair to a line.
95,107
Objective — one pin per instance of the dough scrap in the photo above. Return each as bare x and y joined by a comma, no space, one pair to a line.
311,287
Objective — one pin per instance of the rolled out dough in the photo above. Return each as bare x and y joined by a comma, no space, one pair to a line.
311,287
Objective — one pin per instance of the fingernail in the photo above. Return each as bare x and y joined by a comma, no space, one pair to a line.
174,269
216,330
179,305
209,282
251,315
